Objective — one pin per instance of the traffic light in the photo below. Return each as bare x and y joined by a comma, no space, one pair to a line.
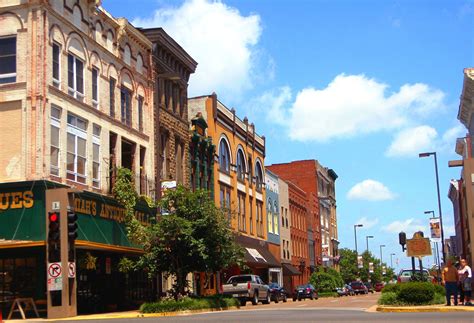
402,239
54,237
71,226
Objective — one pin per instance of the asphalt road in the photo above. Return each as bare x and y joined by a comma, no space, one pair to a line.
344,309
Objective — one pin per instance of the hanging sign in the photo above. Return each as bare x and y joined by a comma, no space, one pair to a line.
371,267
360,263
435,228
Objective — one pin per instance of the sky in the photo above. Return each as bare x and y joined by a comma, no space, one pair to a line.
361,86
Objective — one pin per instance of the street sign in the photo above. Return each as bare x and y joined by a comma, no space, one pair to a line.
418,247
55,206
71,270
55,279
54,270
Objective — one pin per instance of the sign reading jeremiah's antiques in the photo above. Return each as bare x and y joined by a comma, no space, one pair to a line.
16,200
105,210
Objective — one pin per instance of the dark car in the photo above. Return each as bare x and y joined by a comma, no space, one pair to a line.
277,293
369,286
359,288
305,291
379,287
350,291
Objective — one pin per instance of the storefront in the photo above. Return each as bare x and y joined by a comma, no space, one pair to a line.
101,243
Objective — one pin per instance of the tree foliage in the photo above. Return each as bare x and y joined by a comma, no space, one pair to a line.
350,271
326,279
193,235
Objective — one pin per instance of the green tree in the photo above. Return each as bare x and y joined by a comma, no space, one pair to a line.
194,235
326,279
348,265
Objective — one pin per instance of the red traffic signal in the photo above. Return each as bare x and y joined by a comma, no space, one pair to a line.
53,217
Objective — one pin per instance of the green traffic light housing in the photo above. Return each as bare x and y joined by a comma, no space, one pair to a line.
71,225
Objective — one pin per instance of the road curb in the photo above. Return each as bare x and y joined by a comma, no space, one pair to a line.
414,309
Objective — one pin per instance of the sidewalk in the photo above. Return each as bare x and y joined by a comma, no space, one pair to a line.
120,315
428,308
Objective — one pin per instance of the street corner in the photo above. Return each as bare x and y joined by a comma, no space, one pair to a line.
420,309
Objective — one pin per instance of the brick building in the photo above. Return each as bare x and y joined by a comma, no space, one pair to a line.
75,104
299,213
172,69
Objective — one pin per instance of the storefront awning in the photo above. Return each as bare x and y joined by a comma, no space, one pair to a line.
257,253
290,270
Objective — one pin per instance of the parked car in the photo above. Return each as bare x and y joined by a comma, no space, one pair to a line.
277,293
247,288
379,287
370,288
359,287
305,291
405,275
350,291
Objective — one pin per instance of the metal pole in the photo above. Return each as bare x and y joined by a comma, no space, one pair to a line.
381,258
439,208
391,260
355,238
367,241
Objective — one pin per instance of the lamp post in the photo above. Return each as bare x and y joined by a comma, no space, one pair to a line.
367,241
355,235
421,155
391,260
381,258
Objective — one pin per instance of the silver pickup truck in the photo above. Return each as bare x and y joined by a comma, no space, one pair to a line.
247,288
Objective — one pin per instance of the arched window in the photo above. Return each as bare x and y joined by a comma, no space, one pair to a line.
270,216
258,176
240,165
127,54
139,66
224,156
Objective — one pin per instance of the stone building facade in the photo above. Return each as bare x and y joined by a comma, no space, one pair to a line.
172,69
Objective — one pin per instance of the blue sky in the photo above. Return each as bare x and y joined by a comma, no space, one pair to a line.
362,86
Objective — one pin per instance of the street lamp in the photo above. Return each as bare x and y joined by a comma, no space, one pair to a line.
355,235
367,241
391,260
381,258
421,155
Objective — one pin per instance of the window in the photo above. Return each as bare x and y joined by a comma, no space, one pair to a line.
54,149
75,71
224,199
251,215
275,218
56,65
260,230
258,176
76,149
240,165
224,156
241,212
140,113
95,87
270,216
7,60
96,156
112,84
125,105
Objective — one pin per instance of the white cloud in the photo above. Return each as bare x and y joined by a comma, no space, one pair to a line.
354,104
411,141
370,190
218,37
409,226
273,103
367,223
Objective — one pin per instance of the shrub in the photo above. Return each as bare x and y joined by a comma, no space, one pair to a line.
326,280
327,294
438,299
388,298
416,293
391,288
440,290
189,303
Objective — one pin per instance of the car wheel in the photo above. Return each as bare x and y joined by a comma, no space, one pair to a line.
285,298
311,297
277,299
255,298
299,299
294,299
267,299
243,302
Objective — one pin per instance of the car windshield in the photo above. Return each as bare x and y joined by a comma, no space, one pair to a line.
301,286
356,284
239,279
273,285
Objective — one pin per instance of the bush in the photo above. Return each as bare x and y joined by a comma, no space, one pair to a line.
189,303
440,290
438,299
391,288
388,298
416,293
326,280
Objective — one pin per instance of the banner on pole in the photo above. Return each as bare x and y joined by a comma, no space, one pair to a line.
360,264
371,267
435,227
